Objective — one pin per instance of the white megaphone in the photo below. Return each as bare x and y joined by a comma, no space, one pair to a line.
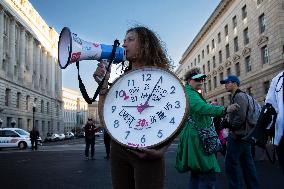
71,49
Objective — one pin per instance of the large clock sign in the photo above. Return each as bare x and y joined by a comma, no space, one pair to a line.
145,107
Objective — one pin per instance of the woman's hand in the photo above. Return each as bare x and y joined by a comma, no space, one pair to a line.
100,73
150,154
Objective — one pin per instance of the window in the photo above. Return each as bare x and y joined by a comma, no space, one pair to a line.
35,102
199,58
7,97
208,66
236,44
237,68
228,71
47,108
215,82
205,87
41,106
259,2
202,54
244,12
191,64
195,62
261,23
213,44
249,91
226,30
20,123
234,20
18,100
27,102
203,67
227,51
246,37
43,126
266,86
219,37
214,62
207,49
209,85
58,126
264,54
221,75
220,57
248,64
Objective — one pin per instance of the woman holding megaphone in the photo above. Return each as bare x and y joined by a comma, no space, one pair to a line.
141,168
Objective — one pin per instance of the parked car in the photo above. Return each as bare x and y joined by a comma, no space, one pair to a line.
54,137
100,132
61,136
69,135
80,134
14,137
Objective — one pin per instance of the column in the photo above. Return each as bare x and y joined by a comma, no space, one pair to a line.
12,48
1,35
43,70
52,79
37,65
30,59
22,55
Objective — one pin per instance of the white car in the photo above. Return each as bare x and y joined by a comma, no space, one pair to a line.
61,136
54,137
69,135
14,137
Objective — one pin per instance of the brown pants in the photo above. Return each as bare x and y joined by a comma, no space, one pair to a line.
130,172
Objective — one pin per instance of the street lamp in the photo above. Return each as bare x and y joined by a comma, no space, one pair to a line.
34,109
13,123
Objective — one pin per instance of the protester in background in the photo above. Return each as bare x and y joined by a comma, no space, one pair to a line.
107,140
34,135
90,138
238,159
275,97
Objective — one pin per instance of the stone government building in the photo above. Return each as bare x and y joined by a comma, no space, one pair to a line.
241,37
29,74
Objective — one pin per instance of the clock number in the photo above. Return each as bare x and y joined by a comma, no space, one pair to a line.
127,132
113,108
160,79
143,140
173,90
119,94
147,77
116,124
177,104
173,121
160,134
129,82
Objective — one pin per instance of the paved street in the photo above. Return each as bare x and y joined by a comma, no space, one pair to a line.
62,165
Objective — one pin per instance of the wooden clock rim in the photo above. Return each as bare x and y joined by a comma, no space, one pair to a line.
179,128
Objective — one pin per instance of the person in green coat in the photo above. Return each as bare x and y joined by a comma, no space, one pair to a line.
203,167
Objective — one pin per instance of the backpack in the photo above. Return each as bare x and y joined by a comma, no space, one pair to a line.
253,111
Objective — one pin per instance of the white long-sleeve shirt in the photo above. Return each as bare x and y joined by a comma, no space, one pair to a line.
275,98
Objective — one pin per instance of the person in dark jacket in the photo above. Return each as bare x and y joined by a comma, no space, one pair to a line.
107,140
34,135
90,138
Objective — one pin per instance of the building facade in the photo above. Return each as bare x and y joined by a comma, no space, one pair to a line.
30,78
75,111
93,112
243,38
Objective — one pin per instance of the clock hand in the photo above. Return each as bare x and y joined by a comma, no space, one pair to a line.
133,106
145,105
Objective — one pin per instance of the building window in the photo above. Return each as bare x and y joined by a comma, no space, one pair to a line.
249,91
47,108
35,102
202,54
43,126
203,67
209,85
27,102
237,68
248,64
58,126
191,64
259,2
219,37
214,62
205,87
226,30
41,106
227,51
266,87
264,54
221,76
7,97
195,62
236,44
18,100
220,57
228,71
199,58
208,66
246,37
262,24
234,20
207,49
215,82
213,44
244,12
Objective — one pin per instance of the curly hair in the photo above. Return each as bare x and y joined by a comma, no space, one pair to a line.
151,49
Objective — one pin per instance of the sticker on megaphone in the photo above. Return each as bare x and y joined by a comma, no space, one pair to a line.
72,48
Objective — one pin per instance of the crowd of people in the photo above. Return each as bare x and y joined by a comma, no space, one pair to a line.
226,128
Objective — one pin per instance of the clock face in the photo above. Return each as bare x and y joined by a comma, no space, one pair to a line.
145,107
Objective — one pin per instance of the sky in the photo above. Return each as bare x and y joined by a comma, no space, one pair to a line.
176,22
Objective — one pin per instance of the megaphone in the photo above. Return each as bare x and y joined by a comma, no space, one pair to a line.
72,48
